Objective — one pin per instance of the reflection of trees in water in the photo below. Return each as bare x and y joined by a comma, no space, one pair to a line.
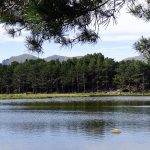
88,128
94,127
77,105
93,120
85,124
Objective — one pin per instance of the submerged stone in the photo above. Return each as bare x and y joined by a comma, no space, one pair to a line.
116,131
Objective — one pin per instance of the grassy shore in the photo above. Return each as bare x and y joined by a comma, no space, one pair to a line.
56,95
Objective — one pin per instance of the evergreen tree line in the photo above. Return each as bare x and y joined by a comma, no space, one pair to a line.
91,73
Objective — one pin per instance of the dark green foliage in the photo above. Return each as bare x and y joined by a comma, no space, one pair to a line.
132,76
74,75
143,46
58,19
142,11
66,21
91,73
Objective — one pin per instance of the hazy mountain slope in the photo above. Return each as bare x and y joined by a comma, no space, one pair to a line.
21,58
140,58
57,57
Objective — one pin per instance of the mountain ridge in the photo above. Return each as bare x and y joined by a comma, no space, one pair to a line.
139,58
24,57
20,59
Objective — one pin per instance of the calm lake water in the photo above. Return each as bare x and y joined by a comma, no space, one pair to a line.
75,124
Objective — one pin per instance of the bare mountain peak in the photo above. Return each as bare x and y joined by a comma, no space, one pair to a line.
140,58
57,57
22,58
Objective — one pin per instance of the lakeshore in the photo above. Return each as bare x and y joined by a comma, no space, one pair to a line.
59,95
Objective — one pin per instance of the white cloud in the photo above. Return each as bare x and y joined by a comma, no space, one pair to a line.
122,37
116,48
128,28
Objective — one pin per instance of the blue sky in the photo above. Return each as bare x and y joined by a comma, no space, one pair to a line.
116,41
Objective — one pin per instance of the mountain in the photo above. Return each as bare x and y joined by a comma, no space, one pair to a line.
20,59
140,58
57,57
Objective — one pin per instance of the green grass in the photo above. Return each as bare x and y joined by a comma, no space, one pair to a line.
39,96
56,95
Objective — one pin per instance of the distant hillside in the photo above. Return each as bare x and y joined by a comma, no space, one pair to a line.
140,58
57,57
20,59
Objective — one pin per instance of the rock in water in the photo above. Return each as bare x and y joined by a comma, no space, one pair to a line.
116,131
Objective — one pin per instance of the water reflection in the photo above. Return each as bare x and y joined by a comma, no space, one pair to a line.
87,125
91,124
40,122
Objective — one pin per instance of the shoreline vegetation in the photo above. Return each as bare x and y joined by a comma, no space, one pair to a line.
67,95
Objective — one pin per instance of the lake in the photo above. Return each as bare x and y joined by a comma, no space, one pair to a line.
75,124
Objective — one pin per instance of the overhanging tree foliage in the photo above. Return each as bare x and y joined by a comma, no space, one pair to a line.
65,21
142,11
143,46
